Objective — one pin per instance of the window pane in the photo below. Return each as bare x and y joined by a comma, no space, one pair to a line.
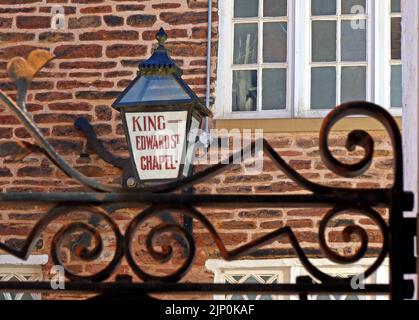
323,7
245,43
274,89
324,41
396,86
246,8
354,7
396,6
396,35
323,88
275,8
354,84
245,90
354,41
275,42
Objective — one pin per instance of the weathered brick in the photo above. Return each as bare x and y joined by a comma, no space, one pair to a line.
374,236
33,22
172,34
123,83
88,65
70,106
304,142
22,133
235,189
67,10
196,82
141,20
6,133
103,113
307,236
6,22
42,85
260,214
97,95
301,223
237,225
87,1
56,36
102,129
130,7
96,9
30,171
66,131
84,22
51,96
79,84
113,21
67,147
166,5
17,10
125,50
198,63
175,18
385,164
117,145
58,117
248,179
84,74
199,4
300,164
20,50
194,71
7,86
272,224
117,74
110,35
233,238
15,229
199,32
186,49
130,63
91,171
16,37
8,120
307,212
280,142
78,51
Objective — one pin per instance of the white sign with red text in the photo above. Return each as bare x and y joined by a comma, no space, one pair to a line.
157,141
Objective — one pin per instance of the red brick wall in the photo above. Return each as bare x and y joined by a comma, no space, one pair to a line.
97,56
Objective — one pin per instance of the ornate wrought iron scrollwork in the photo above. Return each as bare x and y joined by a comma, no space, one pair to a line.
161,197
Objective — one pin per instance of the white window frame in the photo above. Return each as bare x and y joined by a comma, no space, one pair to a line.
298,71
11,266
289,269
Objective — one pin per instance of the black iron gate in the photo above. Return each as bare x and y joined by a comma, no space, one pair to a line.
105,199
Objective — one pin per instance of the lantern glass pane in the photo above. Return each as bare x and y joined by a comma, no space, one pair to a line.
152,88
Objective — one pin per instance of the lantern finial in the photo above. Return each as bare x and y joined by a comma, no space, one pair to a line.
161,36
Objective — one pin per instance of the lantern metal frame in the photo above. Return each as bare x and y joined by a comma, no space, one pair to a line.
160,64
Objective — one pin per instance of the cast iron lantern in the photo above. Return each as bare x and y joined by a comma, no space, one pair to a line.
161,116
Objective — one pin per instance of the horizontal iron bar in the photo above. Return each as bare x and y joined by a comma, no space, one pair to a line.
177,288
374,198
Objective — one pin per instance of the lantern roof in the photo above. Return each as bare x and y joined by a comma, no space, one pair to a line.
160,61
158,82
